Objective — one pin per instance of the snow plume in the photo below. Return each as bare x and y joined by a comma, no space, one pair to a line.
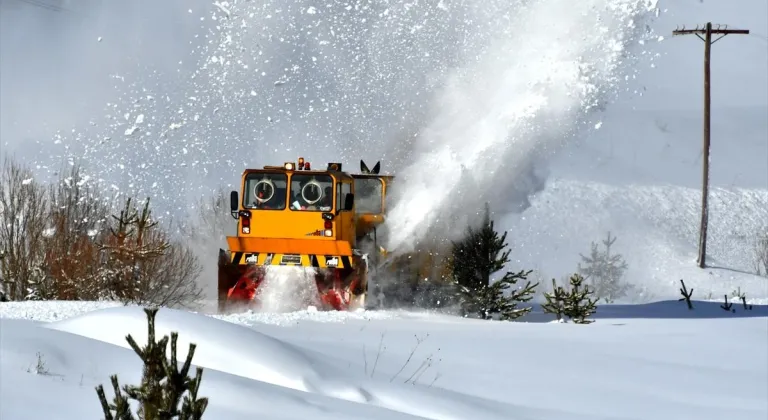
552,65
417,85
287,289
337,81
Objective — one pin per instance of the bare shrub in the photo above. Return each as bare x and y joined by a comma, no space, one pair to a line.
77,221
141,265
23,209
173,278
61,242
761,253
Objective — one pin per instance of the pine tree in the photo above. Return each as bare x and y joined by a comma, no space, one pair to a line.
605,271
555,301
162,385
475,259
578,304
574,303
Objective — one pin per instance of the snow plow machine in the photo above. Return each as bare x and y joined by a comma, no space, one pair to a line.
297,216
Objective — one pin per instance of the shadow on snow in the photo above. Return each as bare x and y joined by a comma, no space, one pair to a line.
667,309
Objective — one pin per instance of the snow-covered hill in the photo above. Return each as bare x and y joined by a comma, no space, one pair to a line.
634,363
639,175
657,232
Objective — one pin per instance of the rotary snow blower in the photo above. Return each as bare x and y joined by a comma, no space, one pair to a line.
293,215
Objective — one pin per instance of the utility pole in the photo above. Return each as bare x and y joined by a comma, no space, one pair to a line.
707,33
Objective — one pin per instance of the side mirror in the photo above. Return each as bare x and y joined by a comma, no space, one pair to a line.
349,202
234,203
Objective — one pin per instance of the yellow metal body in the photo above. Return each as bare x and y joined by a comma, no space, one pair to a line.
293,216
328,235
283,235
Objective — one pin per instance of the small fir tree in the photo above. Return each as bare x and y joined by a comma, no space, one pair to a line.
162,384
578,304
475,259
605,271
555,301
574,303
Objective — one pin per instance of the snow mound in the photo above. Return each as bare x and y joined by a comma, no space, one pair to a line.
65,368
238,350
655,361
51,310
223,346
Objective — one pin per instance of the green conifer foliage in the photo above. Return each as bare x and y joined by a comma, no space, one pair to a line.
163,384
578,304
555,301
575,303
475,259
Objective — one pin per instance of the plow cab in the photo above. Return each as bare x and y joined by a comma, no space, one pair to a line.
295,216
370,200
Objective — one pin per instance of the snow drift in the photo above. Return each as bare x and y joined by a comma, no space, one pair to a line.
635,362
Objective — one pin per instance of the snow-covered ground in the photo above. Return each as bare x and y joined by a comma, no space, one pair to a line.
658,361
637,176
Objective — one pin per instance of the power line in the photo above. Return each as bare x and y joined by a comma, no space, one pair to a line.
45,5
705,34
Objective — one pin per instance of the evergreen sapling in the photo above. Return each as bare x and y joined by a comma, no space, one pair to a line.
555,301
574,303
475,259
162,386
605,271
578,304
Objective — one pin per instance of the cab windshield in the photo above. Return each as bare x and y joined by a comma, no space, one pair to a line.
265,191
311,192
368,195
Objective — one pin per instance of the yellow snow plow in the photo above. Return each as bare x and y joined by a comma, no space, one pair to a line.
294,215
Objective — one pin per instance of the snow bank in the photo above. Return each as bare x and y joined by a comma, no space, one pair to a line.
223,346
241,351
52,310
635,362
74,365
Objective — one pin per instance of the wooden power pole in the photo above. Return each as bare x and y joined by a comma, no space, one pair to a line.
705,34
